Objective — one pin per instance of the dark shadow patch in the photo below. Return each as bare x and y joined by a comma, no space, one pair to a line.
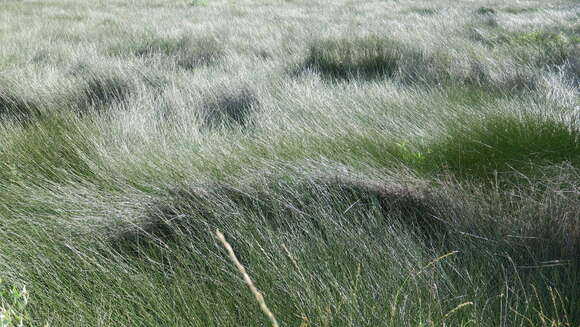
97,91
197,3
485,17
486,11
188,52
414,207
425,11
16,107
194,212
368,58
229,108
375,57
515,11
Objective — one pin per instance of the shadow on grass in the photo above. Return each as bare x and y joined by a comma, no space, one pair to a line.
98,90
229,108
16,107
195,212
188,52
367,58
425,11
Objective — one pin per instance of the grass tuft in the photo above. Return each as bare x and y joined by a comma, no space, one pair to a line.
229,108
16,107
97,91
192,210
188,52
486,11
426,11
369,57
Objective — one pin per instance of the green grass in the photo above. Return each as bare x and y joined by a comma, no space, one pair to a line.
504,144
187,51
15,107
230,108
371,164
368,57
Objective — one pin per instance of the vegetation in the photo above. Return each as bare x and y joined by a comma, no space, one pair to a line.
417,164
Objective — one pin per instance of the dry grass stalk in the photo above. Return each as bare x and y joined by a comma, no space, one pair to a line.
247,279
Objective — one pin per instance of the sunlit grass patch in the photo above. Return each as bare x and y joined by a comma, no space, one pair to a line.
549,48
503,144
545,47
50,149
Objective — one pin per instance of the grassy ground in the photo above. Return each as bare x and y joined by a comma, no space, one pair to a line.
376,163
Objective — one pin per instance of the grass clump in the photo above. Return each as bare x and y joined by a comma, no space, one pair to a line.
522,10
548,48
501,144
426,11
188,52
192,210
369,57
97,91
229,108
486,11
16,107
541,48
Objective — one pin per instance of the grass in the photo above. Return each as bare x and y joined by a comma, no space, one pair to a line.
15,107
415,164
99,91
367,57
229,108
503,144
187,51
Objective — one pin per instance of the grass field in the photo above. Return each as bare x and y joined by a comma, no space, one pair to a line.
371,163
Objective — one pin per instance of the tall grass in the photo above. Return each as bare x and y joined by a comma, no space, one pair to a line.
414,165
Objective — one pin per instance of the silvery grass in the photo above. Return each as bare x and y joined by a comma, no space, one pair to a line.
375,164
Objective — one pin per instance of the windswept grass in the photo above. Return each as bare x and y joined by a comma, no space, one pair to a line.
368,57
486,11
51,149
97,91
14,106
187,51
503,144
228,108
369,164
426,11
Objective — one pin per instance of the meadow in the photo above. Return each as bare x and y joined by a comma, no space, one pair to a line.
370,163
